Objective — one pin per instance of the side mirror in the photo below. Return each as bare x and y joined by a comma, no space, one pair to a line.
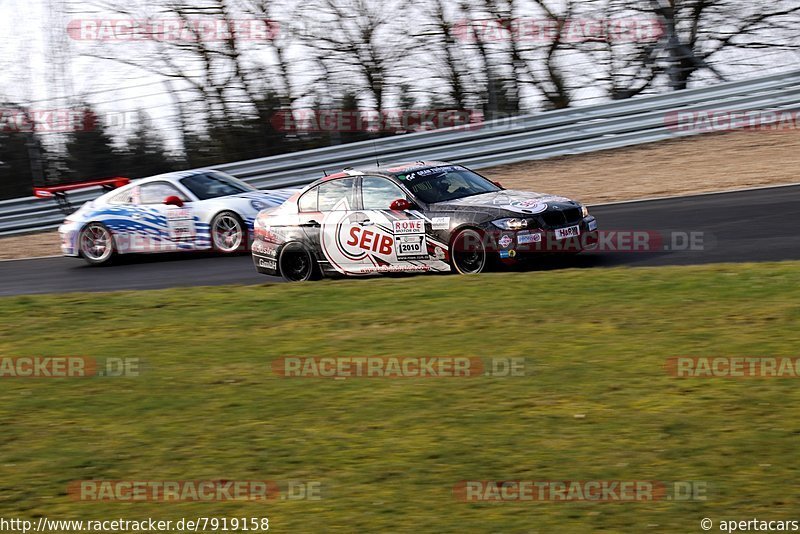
173,200
400,204
498,184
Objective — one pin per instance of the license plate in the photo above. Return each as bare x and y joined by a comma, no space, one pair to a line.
571,231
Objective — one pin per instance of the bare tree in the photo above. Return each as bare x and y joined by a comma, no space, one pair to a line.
440,37
526,60
360,43
700,31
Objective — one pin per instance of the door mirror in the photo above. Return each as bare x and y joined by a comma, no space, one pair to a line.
173,200
400,204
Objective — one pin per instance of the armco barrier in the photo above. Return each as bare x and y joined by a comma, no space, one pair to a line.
526,137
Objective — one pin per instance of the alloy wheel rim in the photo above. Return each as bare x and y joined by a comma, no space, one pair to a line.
227,233
96,243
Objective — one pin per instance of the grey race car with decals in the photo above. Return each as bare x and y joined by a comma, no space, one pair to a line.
415,217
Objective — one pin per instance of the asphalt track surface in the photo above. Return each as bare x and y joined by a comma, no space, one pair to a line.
744,226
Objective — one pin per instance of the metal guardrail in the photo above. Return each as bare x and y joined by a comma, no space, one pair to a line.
526,137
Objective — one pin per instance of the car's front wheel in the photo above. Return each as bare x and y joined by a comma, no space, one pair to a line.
228,233
96,244
468,252
296,264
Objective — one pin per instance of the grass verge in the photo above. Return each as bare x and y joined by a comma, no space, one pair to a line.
388,452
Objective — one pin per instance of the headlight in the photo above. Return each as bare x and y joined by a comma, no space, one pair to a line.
258,205
584,211
511,224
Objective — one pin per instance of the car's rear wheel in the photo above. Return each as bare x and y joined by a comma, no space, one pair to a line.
228,233
468,252
296,264
96,244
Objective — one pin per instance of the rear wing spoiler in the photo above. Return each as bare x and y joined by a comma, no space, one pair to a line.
59,192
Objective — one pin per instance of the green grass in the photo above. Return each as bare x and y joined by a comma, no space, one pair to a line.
388,452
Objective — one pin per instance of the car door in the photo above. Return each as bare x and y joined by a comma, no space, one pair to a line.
165,227
412,248
348,240
309,218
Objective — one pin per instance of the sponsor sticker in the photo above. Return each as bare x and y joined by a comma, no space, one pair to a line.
409,226
527,239
506,254
181,224
532,206
440,223
506,241
267,264
428,172
263,249
571,231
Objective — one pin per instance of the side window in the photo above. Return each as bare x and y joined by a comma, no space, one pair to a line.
156,192
378,193
124,197
333,192
308,202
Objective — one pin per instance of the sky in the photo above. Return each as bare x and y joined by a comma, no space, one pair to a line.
30,36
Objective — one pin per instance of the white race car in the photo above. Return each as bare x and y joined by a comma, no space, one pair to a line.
180,211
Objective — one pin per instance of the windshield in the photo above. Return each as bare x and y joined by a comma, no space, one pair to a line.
440,184
215,184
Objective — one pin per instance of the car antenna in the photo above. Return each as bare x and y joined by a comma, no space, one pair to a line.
375,148
325,173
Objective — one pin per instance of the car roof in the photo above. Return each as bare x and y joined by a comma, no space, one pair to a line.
391,171
403,168
171,176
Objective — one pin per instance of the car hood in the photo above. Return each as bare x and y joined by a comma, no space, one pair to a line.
507,202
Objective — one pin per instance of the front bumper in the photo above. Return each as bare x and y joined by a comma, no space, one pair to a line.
515,245
69,232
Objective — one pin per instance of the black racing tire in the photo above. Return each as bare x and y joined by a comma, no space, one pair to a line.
468,252
96,244
297,264
228,233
